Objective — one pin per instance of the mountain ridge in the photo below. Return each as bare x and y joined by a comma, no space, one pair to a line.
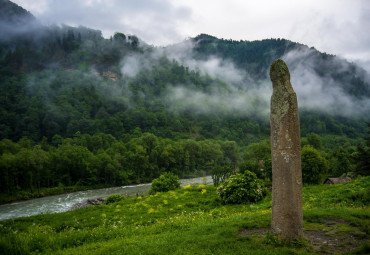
63,80
13,13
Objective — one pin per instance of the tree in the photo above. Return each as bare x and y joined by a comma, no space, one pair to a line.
258,151
56,140
363,156
188,156
363,160
134,41
25,142
105,168
167,158
149,141
8,173
210,153
137,161
314,166
8,146
250,165
71,164
40,167
340,162
314,140
220,174
367,139
25,165
119,38
231,153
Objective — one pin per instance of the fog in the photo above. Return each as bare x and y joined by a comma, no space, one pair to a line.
323,93
240,94
234,91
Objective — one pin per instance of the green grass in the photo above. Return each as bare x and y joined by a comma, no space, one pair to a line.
187,221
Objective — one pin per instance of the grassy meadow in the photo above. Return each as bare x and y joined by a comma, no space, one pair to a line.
192,220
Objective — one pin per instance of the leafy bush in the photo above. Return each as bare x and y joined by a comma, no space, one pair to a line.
165,182
241,188
113,198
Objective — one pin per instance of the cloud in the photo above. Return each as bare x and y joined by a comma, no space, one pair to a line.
230,91
212,66
154,21
322,93
333,26
253,102
132,65
234,92
244,96
336,27
15,23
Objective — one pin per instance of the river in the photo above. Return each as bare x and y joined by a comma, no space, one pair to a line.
65,202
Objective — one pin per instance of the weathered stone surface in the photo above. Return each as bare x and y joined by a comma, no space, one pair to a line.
287,217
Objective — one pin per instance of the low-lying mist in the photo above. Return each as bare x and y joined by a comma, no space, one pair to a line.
239,93
322,93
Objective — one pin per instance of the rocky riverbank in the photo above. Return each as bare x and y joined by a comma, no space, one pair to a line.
89,202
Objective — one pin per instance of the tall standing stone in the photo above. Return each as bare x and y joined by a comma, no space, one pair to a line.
287,216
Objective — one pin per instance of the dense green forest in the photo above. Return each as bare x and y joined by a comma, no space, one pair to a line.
101,159
79,109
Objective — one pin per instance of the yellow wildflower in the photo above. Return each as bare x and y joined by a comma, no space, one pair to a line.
187,186
203,191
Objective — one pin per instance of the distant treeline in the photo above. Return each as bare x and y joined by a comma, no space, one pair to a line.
101,159
86,160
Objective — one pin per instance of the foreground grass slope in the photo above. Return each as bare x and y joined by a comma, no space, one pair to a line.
192,220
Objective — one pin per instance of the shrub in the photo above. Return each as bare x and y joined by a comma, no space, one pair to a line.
165,182
241,188
113,199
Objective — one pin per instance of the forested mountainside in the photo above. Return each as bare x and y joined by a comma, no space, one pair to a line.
61,79
256,57
70,91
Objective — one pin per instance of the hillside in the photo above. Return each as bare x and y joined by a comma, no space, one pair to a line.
256,56
77,109
14,15
192,220
61,79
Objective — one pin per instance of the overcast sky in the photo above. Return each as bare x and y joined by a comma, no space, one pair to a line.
339,27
